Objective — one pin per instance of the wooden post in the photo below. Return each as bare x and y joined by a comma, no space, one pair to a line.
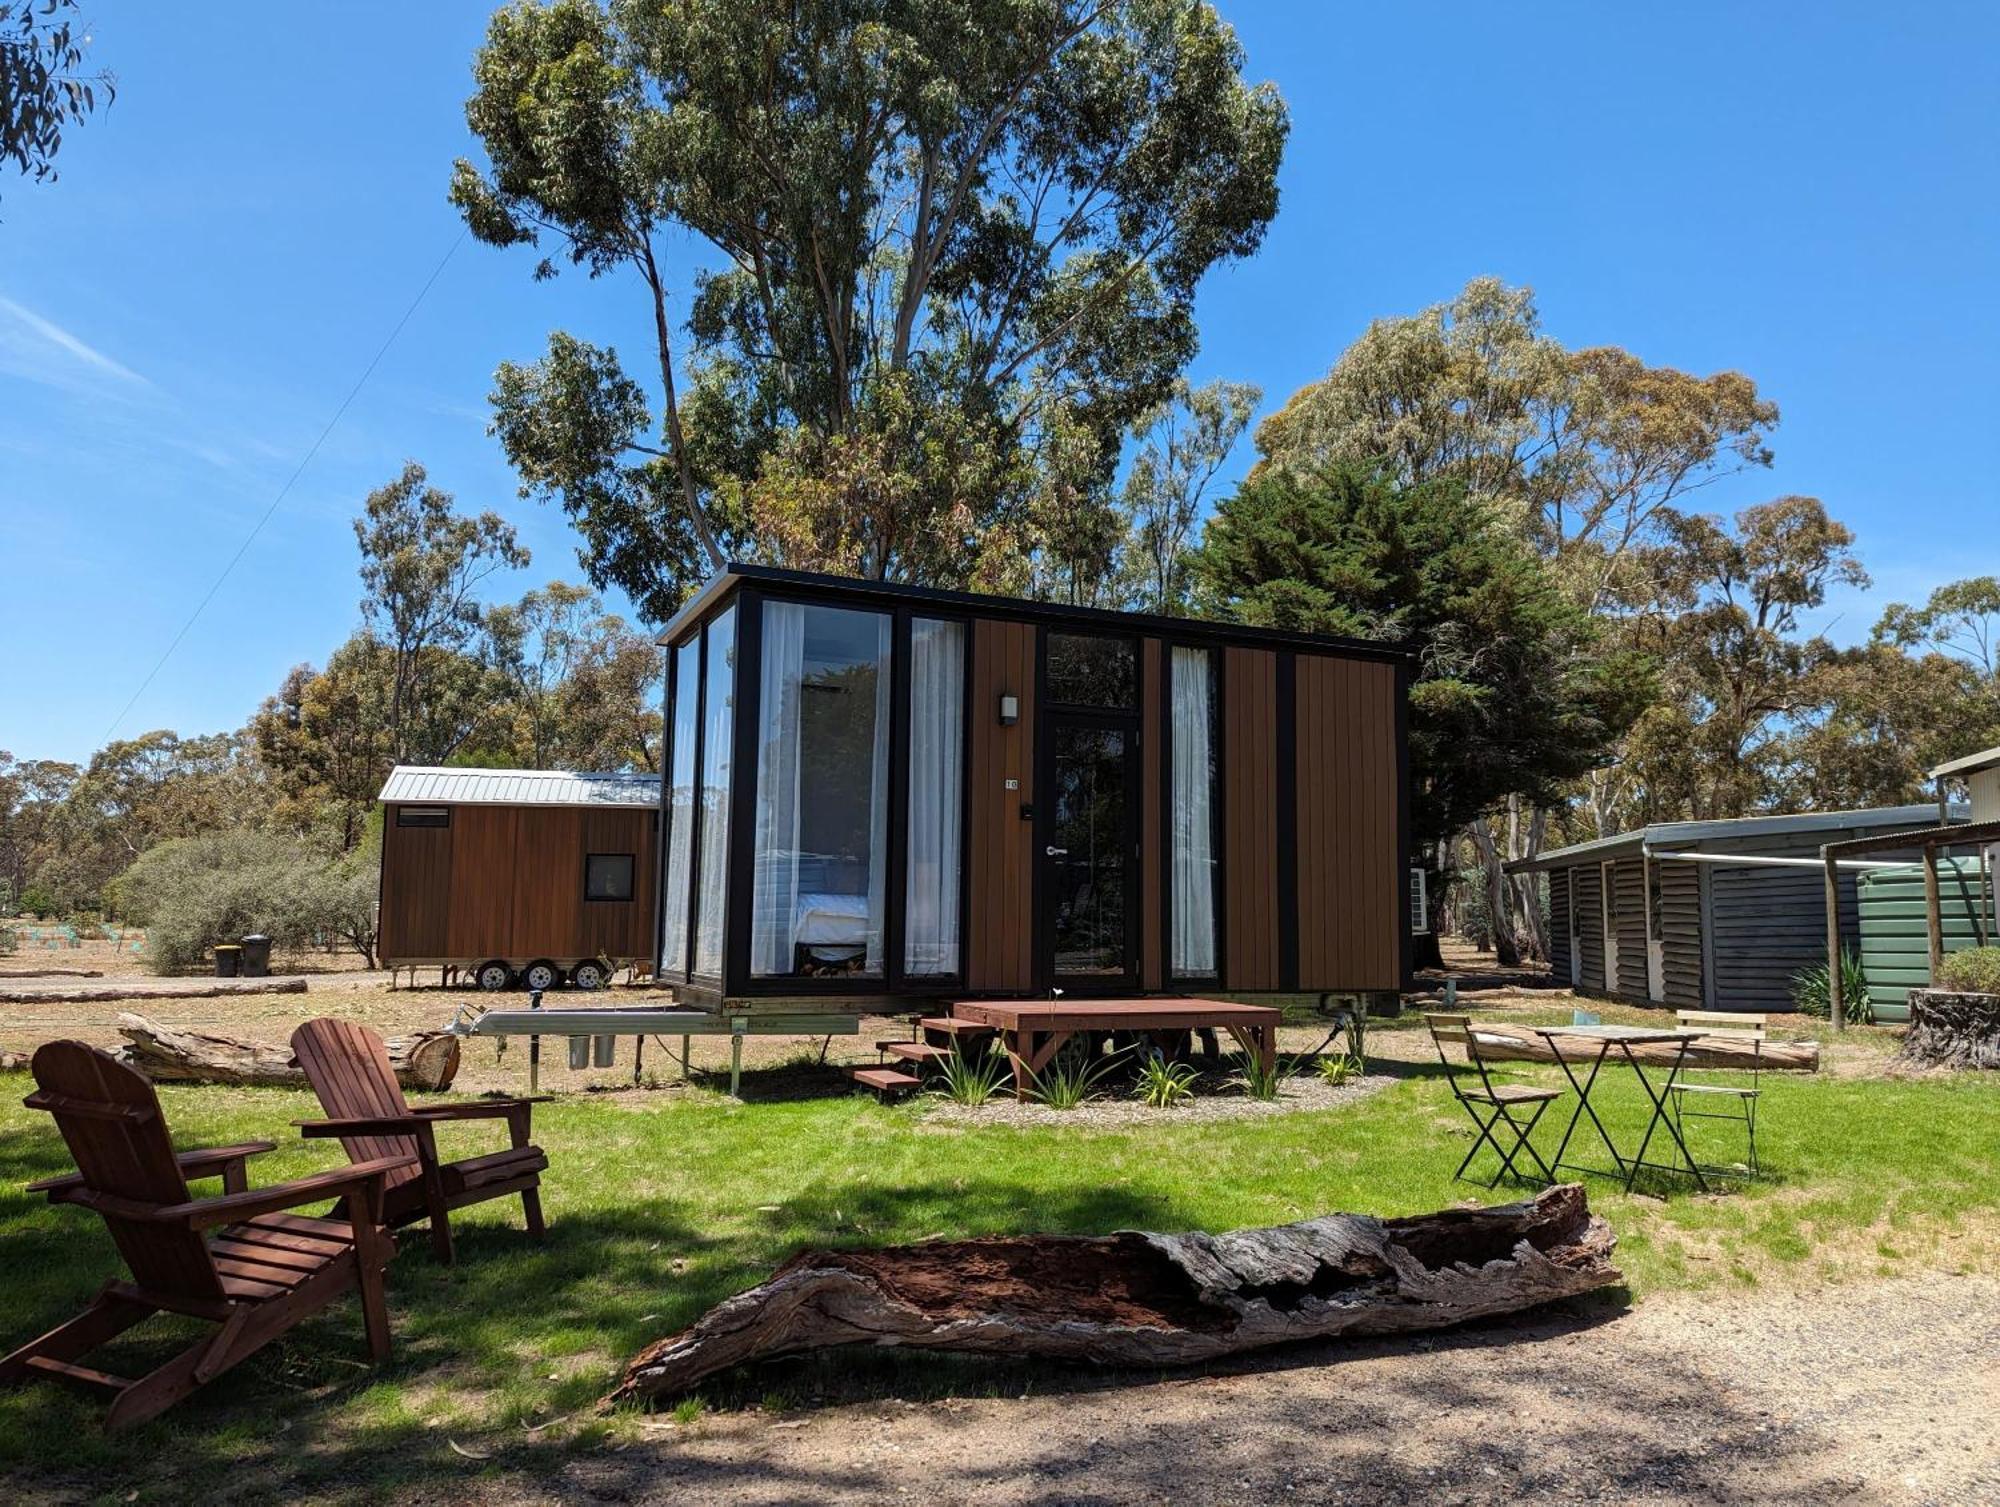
1933,920
1836,999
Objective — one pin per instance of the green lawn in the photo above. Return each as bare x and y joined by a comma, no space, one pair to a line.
661,1203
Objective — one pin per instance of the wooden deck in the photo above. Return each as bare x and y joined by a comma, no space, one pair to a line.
1033,1031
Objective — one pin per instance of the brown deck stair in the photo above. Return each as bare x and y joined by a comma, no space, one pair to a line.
914,1051
885,1080
952,1025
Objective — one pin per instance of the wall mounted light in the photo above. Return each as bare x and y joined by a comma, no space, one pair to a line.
1010,710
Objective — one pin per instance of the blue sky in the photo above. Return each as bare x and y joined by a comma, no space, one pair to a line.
1806,193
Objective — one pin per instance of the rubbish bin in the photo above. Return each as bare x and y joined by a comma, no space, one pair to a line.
228,960
256,956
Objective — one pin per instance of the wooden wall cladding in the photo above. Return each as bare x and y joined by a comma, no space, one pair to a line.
548,880
1153,703
1000,951
1349,849
1250,819
483,866
621,928
416,890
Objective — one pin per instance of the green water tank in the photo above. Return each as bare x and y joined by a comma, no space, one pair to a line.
1895,949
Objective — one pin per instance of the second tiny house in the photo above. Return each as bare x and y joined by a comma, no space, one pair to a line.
876,791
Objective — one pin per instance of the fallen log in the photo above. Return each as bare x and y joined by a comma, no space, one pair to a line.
1950,1028
1143,1299
1505,1043
118,990
427,1060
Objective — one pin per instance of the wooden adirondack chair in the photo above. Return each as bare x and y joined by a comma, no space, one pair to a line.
349,1070
261,1272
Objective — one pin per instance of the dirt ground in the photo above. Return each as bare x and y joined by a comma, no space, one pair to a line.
1760,1398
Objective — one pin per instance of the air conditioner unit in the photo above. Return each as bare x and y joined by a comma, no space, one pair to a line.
1420,903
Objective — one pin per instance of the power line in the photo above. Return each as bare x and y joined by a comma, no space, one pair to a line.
251,537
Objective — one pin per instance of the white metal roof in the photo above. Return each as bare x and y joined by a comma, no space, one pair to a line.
518,787
1986,758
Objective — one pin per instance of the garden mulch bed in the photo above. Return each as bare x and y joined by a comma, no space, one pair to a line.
1208,1104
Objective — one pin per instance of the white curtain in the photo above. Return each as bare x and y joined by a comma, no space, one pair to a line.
680,809
937,752
878,803
775,903
1193,854
718,719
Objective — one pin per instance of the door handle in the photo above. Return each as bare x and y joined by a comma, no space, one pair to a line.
1055,852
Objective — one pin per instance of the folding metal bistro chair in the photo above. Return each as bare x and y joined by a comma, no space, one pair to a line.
1722,1096
1490,1104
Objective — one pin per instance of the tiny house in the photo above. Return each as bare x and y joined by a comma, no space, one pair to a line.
1711,915
876,791
536,877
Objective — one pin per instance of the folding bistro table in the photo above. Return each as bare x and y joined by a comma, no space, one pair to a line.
1624,1038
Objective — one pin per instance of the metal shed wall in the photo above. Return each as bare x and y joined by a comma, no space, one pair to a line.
1629,874
1559,959
1590,926
1680,932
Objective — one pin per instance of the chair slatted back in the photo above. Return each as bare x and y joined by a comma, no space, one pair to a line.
1725,1023
110,1119
348,1068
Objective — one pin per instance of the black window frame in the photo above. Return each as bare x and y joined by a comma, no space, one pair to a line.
404,815
1135,648
631,879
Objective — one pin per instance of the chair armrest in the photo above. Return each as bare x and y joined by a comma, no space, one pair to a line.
478,1109
204,1162
204,1212
371,1125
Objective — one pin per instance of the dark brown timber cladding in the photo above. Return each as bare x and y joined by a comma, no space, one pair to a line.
484,862
1680,917
1629,874
620,928
1001,942
416,890
1349,923
1559,961
548,882
1152,837
1250,819
1590,925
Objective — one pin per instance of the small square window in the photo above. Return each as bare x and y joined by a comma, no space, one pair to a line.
607,876
423,816
1088,669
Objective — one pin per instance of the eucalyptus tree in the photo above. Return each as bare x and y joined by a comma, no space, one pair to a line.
907,241
1183,443
43,86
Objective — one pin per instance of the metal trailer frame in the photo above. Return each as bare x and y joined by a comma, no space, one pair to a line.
641,1022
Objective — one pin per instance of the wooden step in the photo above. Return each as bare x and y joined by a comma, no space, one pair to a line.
884,1080
952,1025
914,1051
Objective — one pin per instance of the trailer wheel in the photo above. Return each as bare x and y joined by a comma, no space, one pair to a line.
589,974
493,976
541,976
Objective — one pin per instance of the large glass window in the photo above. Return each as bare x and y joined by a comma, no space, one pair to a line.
1089,669
1193,855
718,722
680,807
936,815
822,839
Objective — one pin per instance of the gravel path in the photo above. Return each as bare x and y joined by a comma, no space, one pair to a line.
1877,1395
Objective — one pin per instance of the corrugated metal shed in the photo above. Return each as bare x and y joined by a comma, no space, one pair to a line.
411,784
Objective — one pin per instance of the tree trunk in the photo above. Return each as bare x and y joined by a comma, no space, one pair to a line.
1138,1299
427,1060
1503,1043
1524,840
1499,913
1949,1029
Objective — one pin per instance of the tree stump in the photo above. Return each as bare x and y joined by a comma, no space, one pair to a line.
425,1061
1949,1029
1142,1299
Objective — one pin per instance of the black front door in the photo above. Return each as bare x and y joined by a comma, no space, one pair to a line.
1089,853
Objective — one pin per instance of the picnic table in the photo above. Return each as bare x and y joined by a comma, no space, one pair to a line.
1623,1039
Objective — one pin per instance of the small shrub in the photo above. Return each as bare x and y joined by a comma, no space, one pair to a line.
1975,970
1812,991
1336,1068
1163,1084
1070,1080
10,939
39,901
968,1081
1260,1082
88,925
